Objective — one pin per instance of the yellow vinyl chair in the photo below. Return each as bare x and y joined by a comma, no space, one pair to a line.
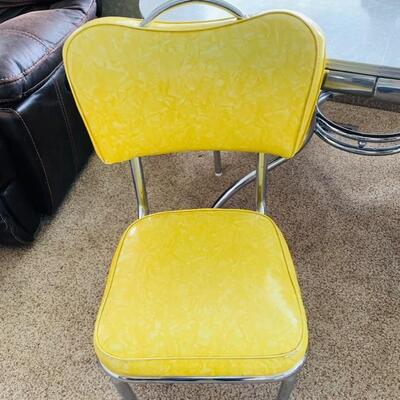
201,295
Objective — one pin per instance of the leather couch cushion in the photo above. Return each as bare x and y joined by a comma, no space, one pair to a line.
19,3
31,45
11,9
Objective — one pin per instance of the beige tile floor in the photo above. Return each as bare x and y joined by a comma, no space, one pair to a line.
340,214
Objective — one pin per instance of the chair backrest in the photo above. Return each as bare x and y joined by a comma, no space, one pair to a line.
237,85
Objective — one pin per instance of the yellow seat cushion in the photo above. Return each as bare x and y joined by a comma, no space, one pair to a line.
201,293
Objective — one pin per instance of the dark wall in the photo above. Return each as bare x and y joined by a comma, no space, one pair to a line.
126,8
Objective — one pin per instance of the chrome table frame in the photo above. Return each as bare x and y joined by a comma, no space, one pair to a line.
352,141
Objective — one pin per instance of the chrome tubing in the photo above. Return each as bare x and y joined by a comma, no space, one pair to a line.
261,184
243,182
176,3
140,186
349,83
388,90
251,176
232,190
217,163
352,141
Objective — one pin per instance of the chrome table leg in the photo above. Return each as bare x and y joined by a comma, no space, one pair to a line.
217,163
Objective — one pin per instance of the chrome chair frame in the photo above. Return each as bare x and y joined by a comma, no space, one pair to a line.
287,379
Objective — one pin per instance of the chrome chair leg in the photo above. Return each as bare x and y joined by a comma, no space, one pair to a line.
217,163
286,388
124,390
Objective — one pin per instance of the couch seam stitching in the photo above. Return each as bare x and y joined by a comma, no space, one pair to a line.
15,112
36,86
68,125
26,34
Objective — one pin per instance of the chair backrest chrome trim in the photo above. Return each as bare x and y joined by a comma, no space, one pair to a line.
176,3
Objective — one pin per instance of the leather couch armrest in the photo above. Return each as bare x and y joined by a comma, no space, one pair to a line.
33,44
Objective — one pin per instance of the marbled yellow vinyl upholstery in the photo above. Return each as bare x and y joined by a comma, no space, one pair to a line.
201,293
248,85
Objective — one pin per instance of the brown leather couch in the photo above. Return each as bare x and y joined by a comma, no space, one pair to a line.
43,142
